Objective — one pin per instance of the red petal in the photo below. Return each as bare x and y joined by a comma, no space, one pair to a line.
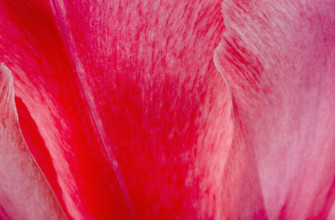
278,58
24,192
128,102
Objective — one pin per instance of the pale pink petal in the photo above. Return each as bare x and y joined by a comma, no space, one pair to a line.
278,58
332,213
24,191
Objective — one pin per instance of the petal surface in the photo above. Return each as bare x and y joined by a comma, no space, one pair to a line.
24,191
278,58
127,101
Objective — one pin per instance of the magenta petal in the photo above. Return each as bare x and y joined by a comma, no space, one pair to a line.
128,117
278,58
24,191
127,101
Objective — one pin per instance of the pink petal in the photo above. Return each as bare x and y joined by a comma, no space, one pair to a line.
127,102
278,59
332,212
24,192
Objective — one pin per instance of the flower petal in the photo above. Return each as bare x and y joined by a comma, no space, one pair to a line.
278,58
128,102
24,192
332,212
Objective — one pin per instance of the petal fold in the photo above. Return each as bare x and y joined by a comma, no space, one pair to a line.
127,101
24,191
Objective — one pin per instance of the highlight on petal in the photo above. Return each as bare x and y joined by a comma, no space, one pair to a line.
278,58
129,112
24,191
332,212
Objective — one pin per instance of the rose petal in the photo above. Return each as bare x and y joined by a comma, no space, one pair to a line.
24,192
128,102
278,58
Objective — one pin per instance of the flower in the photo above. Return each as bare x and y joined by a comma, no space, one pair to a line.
167,109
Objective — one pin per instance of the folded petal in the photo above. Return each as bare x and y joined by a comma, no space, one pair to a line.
278,58
24,191
127,102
